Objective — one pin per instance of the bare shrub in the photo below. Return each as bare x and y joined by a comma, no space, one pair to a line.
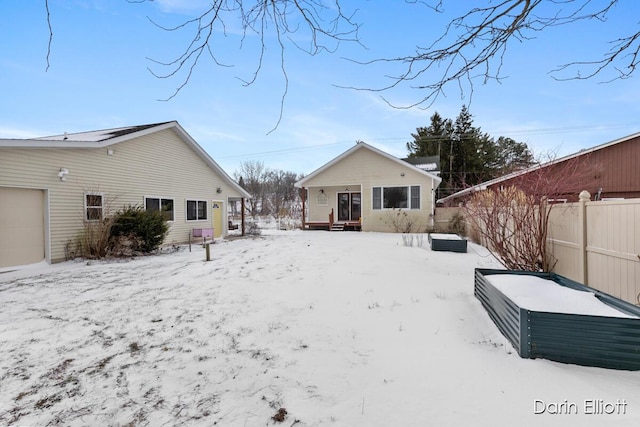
457,225
512,221
253,229
407,240
94,241
402,221
514,226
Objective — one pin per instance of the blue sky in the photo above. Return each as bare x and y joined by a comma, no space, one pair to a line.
98,78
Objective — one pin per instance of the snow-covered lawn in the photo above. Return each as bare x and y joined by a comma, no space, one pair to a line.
339,329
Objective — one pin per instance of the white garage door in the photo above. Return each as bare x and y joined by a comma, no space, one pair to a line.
21,226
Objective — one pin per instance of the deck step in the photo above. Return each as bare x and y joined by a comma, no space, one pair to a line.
337,227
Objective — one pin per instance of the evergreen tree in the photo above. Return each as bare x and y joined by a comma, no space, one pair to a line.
429,141
467,155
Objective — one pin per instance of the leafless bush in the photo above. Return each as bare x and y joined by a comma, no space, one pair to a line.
514,226
402,221
513,221
457,225
407,240
94,240
253,229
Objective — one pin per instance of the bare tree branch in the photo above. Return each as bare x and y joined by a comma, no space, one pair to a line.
624,50
46,4
471,49
473,46
322,25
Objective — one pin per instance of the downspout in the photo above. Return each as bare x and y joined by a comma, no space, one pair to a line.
242,215
433,205
304,199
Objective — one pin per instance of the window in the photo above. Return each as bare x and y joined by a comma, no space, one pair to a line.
159,204
396,197
377,198
415,197
196,210
93,206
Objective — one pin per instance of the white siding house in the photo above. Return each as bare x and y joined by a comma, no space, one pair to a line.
367,189
50,186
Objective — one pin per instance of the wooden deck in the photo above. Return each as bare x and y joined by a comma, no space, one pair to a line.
335,226
332,224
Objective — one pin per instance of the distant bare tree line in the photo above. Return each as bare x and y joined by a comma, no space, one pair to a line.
272,190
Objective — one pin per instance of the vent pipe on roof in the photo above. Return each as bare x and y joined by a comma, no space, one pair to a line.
65,136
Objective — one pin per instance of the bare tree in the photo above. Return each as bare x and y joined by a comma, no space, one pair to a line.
253,175
281,193
512,221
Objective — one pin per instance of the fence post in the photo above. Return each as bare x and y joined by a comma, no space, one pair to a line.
584,197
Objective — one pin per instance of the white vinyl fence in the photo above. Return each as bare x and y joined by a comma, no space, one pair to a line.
598,244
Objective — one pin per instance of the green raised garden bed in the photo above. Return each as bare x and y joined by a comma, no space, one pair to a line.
561,320
447,242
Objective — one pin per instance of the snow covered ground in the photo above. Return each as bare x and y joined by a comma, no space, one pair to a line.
538,294
338,329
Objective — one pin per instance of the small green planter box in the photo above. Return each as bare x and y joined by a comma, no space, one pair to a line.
589,340
447,242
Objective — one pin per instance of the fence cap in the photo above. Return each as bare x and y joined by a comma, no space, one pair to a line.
584,196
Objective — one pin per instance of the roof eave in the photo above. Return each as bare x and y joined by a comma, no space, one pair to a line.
32,144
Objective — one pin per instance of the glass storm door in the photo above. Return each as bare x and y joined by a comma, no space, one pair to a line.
344,206
355,206
349,206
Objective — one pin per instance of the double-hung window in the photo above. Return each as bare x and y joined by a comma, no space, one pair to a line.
396,197
196,210
93,206
163,205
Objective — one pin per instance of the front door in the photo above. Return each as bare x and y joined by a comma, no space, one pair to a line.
349,206
217,218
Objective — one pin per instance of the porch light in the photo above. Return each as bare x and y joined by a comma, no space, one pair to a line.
322,190
62,174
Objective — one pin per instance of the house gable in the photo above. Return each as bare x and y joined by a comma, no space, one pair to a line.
364,170
362,164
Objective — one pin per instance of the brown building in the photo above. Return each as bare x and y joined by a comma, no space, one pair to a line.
607,171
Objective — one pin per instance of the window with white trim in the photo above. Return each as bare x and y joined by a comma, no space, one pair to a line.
93,206
396,197
415,197
196,210
163,205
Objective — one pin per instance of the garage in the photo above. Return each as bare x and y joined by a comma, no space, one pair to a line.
22,225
